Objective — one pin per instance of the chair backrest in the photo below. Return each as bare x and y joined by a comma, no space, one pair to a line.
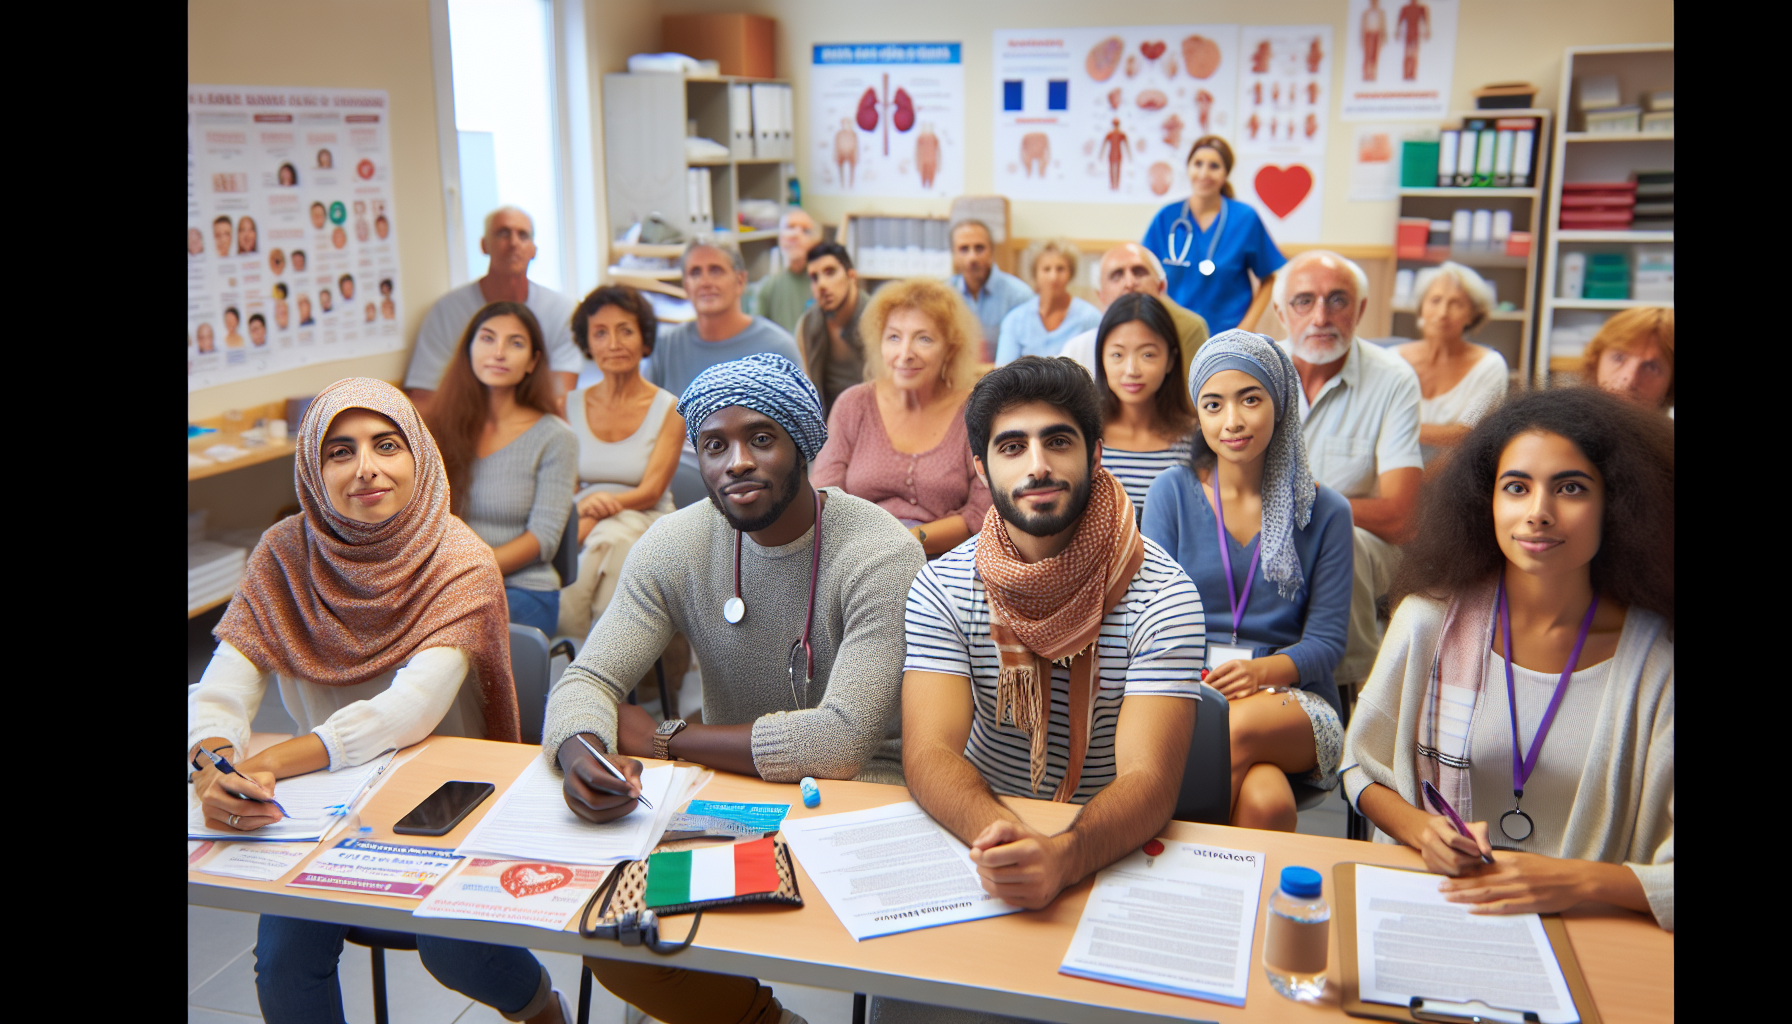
529,667
1206,794
566,556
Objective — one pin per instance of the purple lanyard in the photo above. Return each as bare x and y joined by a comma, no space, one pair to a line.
1219,518
1523,765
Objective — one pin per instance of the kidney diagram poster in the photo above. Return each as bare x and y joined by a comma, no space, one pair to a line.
1106,114
292,232
887,119
1399,58
1284,102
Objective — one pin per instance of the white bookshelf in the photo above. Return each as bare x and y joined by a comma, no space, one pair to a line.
1582,156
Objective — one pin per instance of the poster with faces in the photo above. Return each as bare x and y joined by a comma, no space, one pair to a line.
1284,104
1106,115
292,232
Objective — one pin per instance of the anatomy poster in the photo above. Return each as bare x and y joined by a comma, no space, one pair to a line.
1107,114
1284,102
1399,57
292,232
887,119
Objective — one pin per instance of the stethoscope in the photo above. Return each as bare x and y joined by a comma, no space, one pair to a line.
1176,259
734,609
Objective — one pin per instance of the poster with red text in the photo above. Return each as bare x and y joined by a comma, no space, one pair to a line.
292,231
1284,104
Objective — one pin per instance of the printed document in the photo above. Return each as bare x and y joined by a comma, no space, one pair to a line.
1410,941
258,862
516,892
531,820
1181,922
314,804
891,869
385,869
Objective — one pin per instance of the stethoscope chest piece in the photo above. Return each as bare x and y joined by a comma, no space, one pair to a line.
734,610
1206,268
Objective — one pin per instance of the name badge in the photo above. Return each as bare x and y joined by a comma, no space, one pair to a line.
1219,654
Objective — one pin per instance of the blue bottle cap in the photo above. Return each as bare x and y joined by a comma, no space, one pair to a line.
1302,882
811,793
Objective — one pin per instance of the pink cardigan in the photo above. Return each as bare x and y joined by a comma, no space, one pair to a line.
927,486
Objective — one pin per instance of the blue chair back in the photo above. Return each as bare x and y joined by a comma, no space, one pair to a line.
529,667
566,556
1206,794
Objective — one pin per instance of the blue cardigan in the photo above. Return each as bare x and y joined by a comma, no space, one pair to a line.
1309,629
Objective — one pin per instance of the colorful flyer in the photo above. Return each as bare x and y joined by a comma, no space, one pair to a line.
517,892
386,869
758,817
260,862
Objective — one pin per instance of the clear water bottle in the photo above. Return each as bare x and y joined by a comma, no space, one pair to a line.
1296,935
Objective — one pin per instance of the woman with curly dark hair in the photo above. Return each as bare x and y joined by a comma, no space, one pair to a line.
1528,674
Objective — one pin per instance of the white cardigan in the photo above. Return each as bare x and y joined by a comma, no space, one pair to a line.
1624,809
356,723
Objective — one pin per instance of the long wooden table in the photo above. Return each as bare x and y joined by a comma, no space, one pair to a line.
1002,965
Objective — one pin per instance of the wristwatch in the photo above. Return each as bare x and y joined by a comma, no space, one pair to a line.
662,737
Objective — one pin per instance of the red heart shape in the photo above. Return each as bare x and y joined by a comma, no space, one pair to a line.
522,880
1153,50
1283,188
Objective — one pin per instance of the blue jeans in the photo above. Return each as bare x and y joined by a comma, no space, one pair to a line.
295,971
538,608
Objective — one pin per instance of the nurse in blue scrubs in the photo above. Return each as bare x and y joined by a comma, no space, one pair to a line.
1211,243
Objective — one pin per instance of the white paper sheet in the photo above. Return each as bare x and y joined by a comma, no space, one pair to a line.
1181,922
1410,942
258,862
532,822
308,800
891,869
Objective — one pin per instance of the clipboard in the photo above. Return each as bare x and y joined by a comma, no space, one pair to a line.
1344,912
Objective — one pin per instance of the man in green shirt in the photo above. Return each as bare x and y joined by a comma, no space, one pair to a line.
784,294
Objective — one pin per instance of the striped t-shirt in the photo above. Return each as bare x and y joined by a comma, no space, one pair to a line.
1151,644
1136,470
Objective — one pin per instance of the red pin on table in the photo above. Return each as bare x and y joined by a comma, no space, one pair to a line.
1152,848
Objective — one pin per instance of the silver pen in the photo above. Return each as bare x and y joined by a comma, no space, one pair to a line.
601,759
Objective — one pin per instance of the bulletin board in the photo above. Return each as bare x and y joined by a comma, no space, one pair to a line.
292,230
887,119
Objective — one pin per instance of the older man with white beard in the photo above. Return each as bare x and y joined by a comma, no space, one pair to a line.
1359,413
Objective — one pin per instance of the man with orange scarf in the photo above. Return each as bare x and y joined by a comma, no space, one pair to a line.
1058,605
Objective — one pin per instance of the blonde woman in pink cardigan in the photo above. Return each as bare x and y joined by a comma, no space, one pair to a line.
898,440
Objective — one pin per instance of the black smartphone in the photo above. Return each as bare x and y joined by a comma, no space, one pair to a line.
445,808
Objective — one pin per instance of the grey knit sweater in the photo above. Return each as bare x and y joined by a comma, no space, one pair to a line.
676,579
526,485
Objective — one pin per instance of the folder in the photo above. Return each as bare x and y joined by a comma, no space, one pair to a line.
1524,148
1465,154
787,120
1486,143
764,135
1502,158
740,121
1344,913
1446,157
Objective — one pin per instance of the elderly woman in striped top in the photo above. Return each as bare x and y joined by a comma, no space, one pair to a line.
1145,408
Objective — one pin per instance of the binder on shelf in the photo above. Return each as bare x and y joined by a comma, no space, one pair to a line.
740,121
764,134
787,122
1446,157
1486,142
1502,158
1524,148
1465,155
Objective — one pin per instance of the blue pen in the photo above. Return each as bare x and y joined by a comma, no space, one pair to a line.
229,769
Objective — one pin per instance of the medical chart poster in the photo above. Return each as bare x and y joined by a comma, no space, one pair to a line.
1284,104
887,119
292,231
1399,58
1106,114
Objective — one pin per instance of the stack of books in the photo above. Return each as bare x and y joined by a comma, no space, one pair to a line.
1598,206
1660,112
1608,276
1603,108
1654,201
1654,274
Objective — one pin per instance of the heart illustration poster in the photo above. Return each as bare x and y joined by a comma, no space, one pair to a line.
1086,115
520,892
1284,104
886,119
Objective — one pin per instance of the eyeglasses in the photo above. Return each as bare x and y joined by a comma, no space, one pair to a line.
1336,302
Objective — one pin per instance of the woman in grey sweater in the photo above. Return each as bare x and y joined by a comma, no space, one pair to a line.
1529,674
512,464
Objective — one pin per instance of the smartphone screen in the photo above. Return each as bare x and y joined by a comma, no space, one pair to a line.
442,810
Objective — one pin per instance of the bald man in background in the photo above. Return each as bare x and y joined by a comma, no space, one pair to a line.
1131,267
783,296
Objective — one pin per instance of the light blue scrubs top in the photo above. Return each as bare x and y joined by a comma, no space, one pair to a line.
1001,293
1223,298
1024,333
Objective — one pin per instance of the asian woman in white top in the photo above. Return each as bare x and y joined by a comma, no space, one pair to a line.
1459,381
629,437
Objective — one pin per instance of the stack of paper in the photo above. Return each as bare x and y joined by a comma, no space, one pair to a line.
314,805
531,820
213,571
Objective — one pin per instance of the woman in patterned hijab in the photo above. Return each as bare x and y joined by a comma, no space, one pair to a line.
1274,573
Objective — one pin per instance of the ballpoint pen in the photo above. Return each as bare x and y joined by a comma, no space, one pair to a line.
601,759
1436,799
229,769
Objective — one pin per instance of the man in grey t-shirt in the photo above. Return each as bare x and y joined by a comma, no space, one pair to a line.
510,242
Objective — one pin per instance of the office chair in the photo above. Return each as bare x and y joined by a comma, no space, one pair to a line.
377,941
529,658
1206,794
566,556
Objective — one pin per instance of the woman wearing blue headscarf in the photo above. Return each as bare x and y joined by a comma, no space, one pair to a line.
1270,552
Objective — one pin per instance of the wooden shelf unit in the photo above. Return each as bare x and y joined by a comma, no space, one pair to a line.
645,119
1598,157
1511,331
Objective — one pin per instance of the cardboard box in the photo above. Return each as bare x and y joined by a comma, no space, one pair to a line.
743,44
